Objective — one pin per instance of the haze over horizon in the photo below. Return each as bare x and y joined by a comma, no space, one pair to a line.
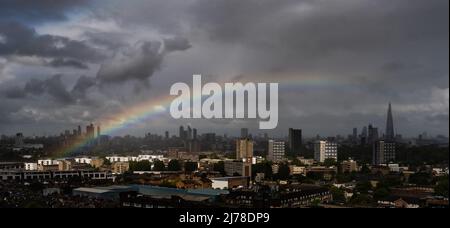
72,62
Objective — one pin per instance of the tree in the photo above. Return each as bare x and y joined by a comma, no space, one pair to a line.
338,195
365,169
140,166
190,166
297,162
361,200
330,162
363,187
380,193
159,166
421,178
106,162
174,165
283,171
264,167
219,167
441,188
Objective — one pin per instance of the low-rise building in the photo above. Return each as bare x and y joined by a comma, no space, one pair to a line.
120,167
229,182
349,166
64,165
31,166
235,167
297,170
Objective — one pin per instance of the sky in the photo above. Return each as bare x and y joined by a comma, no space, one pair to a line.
338,63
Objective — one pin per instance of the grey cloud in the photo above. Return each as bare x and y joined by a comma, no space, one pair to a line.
83,84
62,62
176,44
38,11
24,41
57,90
35,87
14,93
139,62
53,86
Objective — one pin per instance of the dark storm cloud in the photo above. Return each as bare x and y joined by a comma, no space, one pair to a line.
22,40
57,90
302,34
53,87
176,44
14,92
341,61
37,11
35,87
139,62
61,62
83,84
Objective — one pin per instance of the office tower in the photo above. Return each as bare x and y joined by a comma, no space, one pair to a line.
276,151
373,134
390,135
181,133
383,152
355,133
79,130
364,132
98,131
295,140
194,134
74,132
90,131
244,133
19,140
325,150
189,133
167,135
238,168
244,149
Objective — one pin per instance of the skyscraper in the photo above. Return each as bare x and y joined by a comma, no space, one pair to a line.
181,133
295,140
383,152
189,133
325,150
19,140
355,133
244,149
244,133
98,131
373,134
390,135
276,151
194,134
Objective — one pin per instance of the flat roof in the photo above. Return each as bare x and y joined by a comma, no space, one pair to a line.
92,190
227,178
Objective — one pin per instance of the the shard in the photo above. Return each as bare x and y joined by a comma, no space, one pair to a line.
390,125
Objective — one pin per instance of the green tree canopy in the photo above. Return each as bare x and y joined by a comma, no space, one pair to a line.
159,166
219,167
441,188
190,166
284,171
338,194
140,166
174,165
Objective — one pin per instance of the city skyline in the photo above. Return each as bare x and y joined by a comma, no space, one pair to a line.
112,64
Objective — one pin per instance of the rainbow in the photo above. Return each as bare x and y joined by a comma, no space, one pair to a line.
134,115
150,109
